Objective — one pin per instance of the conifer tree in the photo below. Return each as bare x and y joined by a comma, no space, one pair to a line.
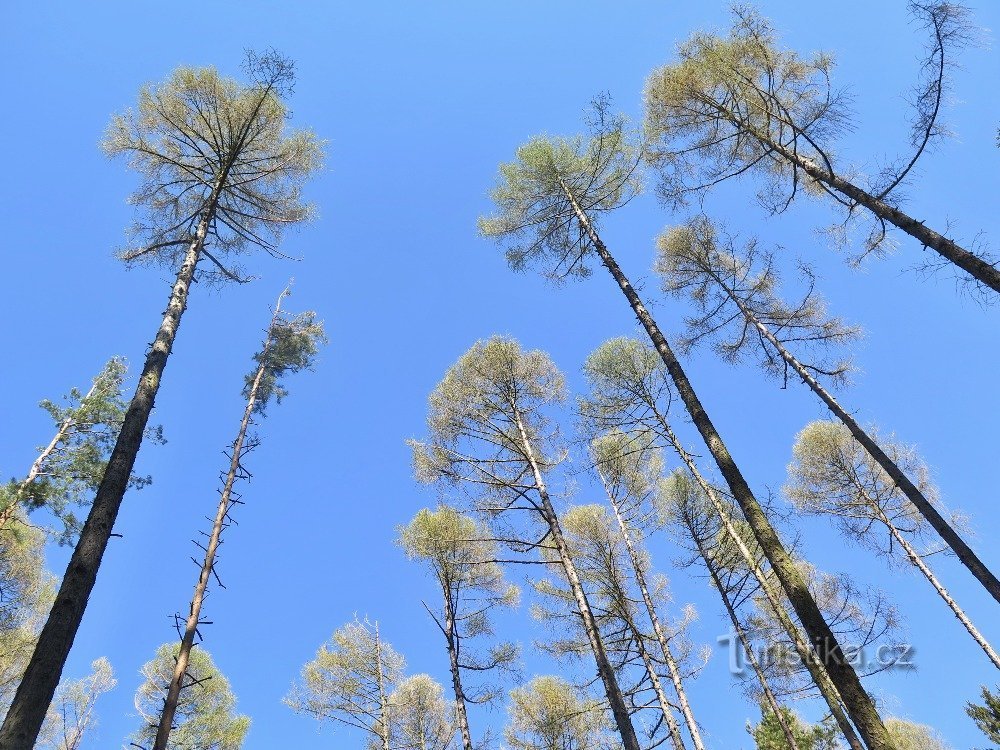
422,719
465,562
72,714
740,311
742,104
350,682
771,734
491,434
831,475
206,715
550,714
69,468
987,715
290,345
221,172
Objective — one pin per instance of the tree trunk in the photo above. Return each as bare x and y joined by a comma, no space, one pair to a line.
27,712
673,728
654,618
456,676
194,616
982,271
384,718
856,699
769,696
924,506
611,688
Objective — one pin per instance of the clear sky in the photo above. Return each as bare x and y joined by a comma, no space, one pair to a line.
419,102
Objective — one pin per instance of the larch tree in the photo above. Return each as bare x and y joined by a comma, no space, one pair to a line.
832,475
550,714
206,717
631,390
741,104
350,681
72,714
491,434
68,469
465,562
291,344
221,176
909,735
422,719
548,202
740,312
986,715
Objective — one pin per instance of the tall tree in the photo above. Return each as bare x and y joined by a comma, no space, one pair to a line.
465,562
908,735
831,475
422,719
350,681
549,714
490,431
71,715
738,104
987,715
206,717
771,734
69,468
290,345
631,391
219,169
740,311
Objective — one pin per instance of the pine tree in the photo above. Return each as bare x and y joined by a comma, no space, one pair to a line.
219,170
771,734
986,716
69,468
831,475
290,345
740,311
206,717
350,682
465,562
491,434
549,199
739,104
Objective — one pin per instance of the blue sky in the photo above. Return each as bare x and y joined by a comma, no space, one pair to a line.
419,103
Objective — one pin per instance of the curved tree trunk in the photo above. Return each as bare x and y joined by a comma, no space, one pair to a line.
27,712
611,688
924,506
654,618
822,639
215,538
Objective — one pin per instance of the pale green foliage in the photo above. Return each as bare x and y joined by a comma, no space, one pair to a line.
832,474
715,113
350,679
71,716
26,592
198,132
421,717
294,342
70,474
550,714
535,216
768,734
463,559
987,715
474,435
206,717
908,735
733,290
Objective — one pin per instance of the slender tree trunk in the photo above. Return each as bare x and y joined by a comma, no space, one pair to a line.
924,506
856,699
816,667
920,565
34,694
673,728
7,514
451,634
611,688
984,272
661,638
769,696
215,538
384,718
